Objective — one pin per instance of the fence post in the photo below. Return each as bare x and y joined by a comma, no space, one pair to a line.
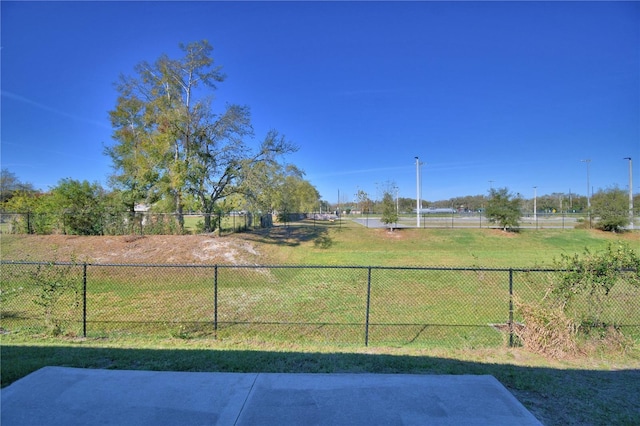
510,307
84,299
366,324
215,302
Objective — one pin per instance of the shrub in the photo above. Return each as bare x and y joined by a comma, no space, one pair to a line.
573,315
56,287
612,209
503,208
547,330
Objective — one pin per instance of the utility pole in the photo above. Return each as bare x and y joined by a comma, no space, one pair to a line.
417,193
535,203
397,202
588,186
630,192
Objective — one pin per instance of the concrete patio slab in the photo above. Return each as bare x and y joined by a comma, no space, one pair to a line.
60,396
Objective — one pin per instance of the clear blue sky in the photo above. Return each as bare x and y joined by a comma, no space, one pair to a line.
511,92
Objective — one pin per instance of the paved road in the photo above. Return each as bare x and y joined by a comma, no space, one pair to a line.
60,396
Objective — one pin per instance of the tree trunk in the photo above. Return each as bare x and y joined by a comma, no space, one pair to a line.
179,212
207,222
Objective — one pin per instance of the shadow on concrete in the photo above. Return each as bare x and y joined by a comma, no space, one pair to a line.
554,396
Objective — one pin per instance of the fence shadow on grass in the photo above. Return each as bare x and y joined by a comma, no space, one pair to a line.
554,396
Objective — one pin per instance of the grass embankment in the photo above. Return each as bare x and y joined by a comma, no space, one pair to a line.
352,244
600,389
342,243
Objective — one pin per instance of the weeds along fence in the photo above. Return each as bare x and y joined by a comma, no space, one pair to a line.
383,306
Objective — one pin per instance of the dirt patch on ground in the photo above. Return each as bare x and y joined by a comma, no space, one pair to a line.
174,249
395,234
502,233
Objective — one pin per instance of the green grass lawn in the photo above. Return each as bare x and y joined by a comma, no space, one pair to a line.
347,243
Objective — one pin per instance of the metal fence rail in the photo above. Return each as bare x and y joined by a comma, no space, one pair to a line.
453,307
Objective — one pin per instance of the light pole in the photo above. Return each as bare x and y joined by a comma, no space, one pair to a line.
417,193
630,192
535,203
588,197
397,202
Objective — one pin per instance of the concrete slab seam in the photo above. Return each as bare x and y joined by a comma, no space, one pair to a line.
255,379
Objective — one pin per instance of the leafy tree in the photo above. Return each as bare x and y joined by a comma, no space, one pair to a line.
34,212
288,191
22,202
80,206
504,209
389,214
324,206
10,185
364,202
133,157
169,141
611,207
260,184
222,174
159,124
270,186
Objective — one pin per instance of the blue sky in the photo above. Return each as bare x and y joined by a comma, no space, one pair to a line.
502,94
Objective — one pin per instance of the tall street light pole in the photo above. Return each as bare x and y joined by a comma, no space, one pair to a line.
535,202
417,193
397,202
630,192
588,197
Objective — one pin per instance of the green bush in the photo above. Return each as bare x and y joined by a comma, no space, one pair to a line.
576,311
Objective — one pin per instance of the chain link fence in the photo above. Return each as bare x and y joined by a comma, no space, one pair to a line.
136,223
145,223
455,219
381,306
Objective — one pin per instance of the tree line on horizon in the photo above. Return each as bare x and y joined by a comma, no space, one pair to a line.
84,205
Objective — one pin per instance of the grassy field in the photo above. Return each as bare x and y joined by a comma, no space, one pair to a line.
347,243
599,388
